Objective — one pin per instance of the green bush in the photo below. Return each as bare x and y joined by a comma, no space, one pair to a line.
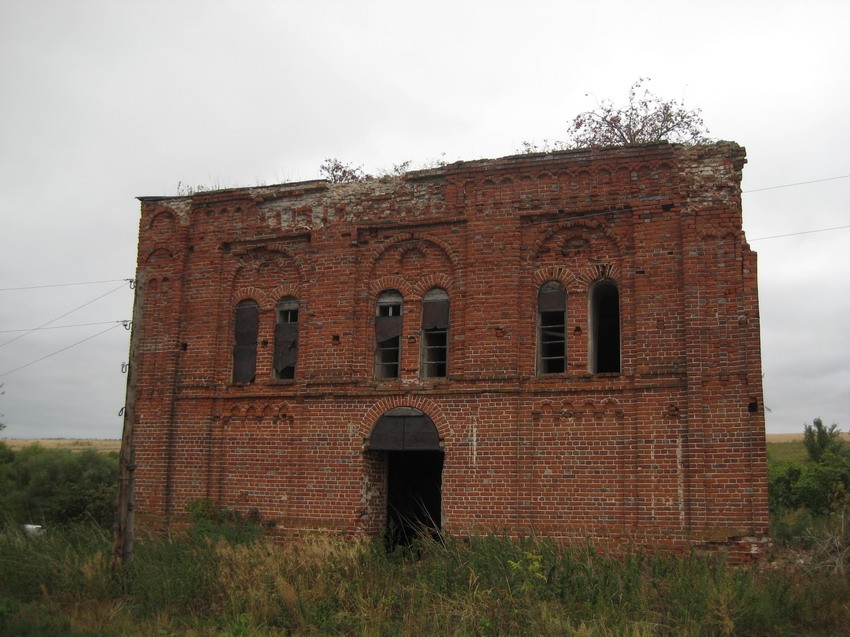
823,485
818,439
58,486
820,485
222,523
781,478
789,527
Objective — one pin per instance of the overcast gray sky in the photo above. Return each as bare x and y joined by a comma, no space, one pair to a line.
103,101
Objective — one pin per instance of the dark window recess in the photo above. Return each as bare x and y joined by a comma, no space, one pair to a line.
388,327
246,327
435,328
286,339
551,330
605,333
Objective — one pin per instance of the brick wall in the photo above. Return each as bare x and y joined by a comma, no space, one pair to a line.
668,452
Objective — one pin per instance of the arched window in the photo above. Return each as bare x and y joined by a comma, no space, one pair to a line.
551,335
246,327
605,328
434,353
286,338
388,326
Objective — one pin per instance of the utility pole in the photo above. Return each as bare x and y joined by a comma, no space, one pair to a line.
122,546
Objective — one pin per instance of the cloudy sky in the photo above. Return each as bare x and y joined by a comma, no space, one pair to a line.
102,101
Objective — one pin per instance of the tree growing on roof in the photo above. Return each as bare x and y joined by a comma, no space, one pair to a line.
645,119
337,172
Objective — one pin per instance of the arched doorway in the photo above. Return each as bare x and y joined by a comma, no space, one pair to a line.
410,444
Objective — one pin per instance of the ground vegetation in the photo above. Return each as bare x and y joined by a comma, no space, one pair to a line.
223,576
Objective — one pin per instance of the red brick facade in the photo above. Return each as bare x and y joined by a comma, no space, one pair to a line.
664,447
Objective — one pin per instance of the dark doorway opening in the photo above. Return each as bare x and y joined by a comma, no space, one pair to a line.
414,482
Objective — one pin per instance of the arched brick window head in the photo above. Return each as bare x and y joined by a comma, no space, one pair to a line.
286,338
605,328
551,334
388,327
434,355
246,327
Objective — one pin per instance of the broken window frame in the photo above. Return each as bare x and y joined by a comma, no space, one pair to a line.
551,329
434,341
286,338
605,328
246,327
388,329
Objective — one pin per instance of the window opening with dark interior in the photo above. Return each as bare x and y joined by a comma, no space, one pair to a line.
388,326
605,328
551,333
286,338
246,327
435,329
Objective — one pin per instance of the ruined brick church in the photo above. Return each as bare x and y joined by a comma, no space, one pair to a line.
563,344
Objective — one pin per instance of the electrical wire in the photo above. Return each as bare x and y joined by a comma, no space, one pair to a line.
59,351
799,183
12,340
794,234
62,285
609,212
60,327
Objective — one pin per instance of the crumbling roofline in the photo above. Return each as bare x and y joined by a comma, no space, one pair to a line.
300,186
508,162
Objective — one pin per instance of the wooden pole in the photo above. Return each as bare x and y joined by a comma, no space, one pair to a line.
122,547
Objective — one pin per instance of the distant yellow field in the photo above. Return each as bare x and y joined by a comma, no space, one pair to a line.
74,444
794,437
107,445
784,437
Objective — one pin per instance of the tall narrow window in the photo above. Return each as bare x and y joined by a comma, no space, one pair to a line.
388,326
551,319
605,328
246,326
286,338
434,354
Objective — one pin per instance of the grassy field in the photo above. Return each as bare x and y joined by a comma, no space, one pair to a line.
780,447
783,448
115,445
786,451
74,444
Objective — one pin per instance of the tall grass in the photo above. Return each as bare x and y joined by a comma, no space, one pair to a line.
786,451
216,580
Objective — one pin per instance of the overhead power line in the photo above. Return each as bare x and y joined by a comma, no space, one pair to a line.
59,351
63,285
12,340
799,183
794,234
125,322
